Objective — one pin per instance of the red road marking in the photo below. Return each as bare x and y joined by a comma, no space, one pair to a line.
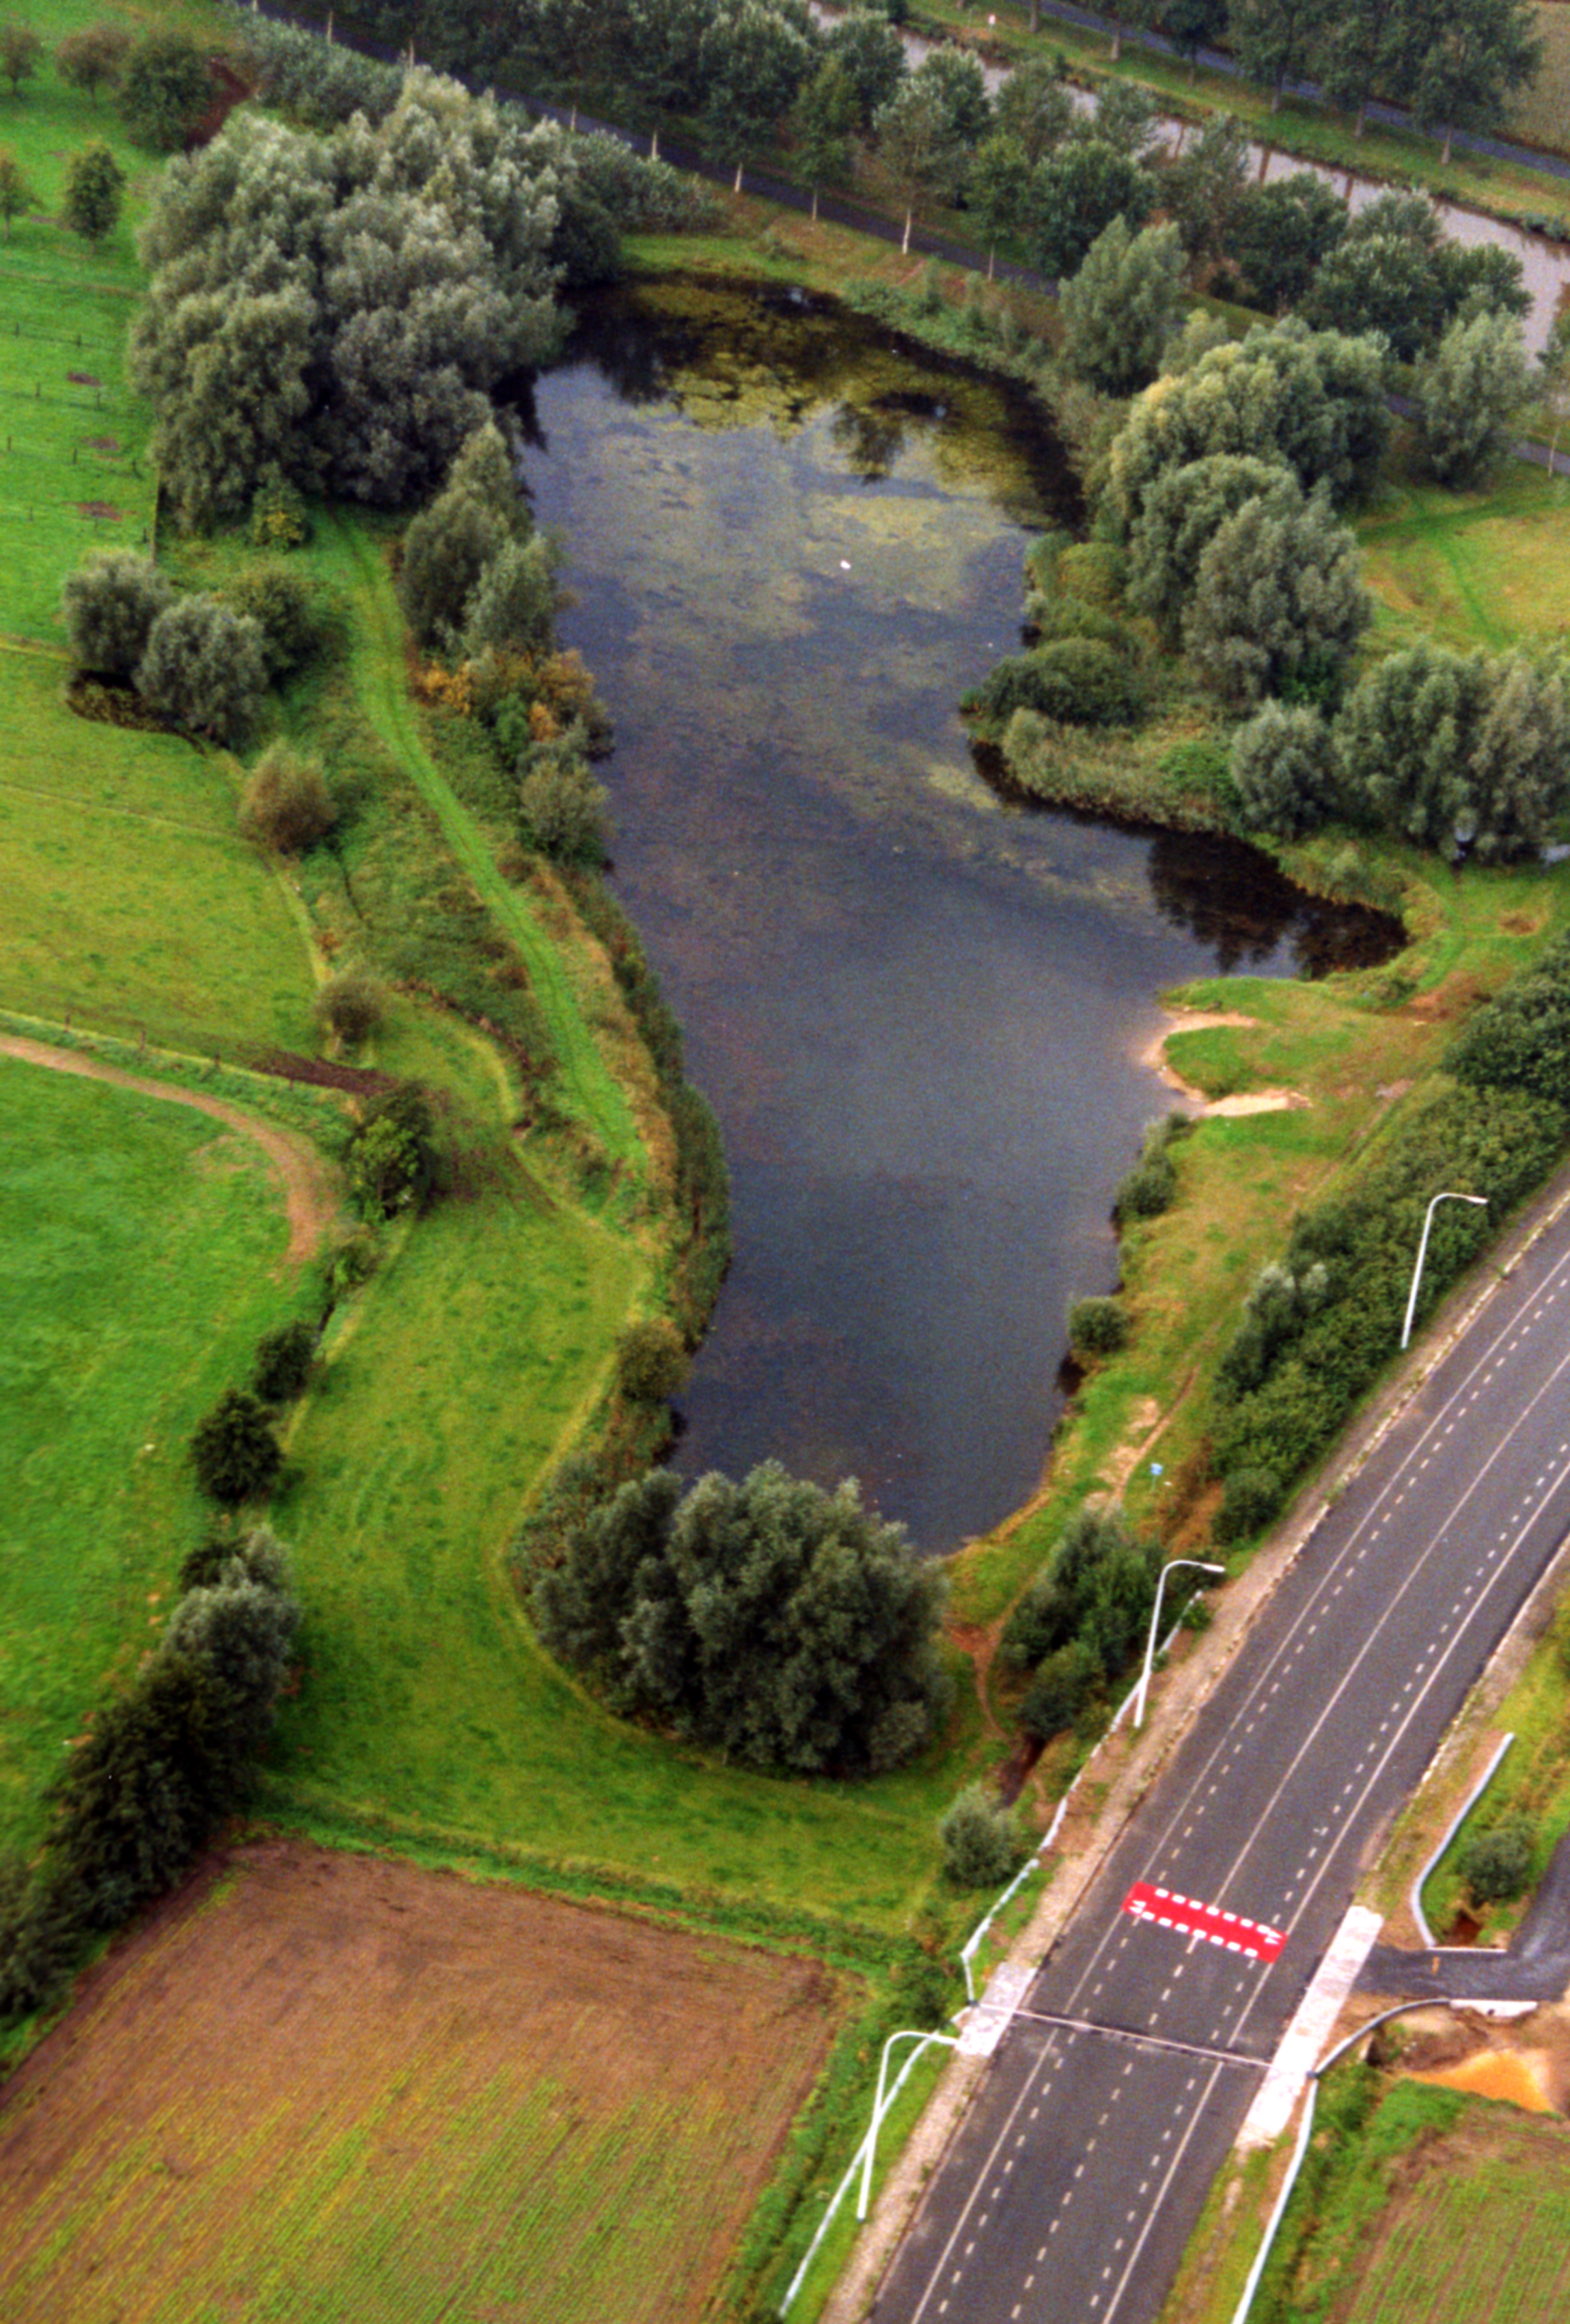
1207,1921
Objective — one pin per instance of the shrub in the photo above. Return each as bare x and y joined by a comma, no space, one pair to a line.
1497,1863
234,1452
650,1361
562,807
284,1361
393,1153
1250,1499
1151,1187
285,804
1061,1689
1097,1326
280,519
109,605
351,1005
285,607
983,1846
204,668
1082,681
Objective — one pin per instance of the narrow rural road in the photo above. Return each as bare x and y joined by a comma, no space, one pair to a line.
1075,2179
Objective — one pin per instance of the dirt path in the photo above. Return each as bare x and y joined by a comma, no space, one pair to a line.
1198,1020
308,1190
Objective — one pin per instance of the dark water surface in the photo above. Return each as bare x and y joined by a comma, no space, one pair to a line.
918,1012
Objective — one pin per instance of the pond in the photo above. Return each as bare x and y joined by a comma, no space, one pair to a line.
919,1013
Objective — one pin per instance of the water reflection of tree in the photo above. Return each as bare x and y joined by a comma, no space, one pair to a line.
1233,900
871,437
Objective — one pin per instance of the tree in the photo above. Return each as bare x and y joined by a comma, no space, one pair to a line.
1312,400
1192,25
16,192
512,607
94,58
449,546
652,1362
1035,109
204,668
1520,762
1207,183
1365,46
1124,117
1132,16
1283,764
1404,737
234,377
916,146
20,50
286,804
1496,1864
982,1845
1470,394
234,1452
869,48
1179,516
95,183
824,113
787,1627
754,61
1275,42
1279,235
561,808
109,605
1553,387
351,1005
1475,54
284,1357
165,90
1074,195
962,91
1279,603
1060,1690
995,189
1384,282
1118,310
393,1155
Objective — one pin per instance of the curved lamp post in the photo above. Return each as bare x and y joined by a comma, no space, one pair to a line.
1205,1567
1480,1202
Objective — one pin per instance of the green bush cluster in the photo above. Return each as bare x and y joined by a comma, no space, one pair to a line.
983,1844
1520,1039
165,1760
788,1628
1082,1621
1496,1862
1321,1322
1080,680
1151,1187
1097,1326
393,1160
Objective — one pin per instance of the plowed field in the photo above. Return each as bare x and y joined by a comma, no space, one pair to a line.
329,2087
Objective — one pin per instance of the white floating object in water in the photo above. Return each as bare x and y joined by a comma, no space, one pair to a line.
845,564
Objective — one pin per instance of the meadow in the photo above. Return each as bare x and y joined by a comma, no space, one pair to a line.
140,1257
443,2100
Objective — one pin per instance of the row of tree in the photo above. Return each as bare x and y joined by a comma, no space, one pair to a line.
160,79
165,1760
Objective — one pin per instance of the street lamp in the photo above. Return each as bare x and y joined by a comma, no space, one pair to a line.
1205,1567
1481,1203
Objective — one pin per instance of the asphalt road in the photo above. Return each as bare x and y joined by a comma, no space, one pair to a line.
1080,2169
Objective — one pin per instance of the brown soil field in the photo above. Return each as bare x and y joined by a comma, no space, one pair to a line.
318,2086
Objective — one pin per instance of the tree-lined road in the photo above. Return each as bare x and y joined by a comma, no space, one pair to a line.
1080,2169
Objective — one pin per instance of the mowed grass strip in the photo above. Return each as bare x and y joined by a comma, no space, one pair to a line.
338,2088
140,1259
132,903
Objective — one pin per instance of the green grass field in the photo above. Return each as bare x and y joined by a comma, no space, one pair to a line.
1472,568
140,1250
133,903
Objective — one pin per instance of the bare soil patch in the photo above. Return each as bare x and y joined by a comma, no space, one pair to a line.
309,1193
322,2086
